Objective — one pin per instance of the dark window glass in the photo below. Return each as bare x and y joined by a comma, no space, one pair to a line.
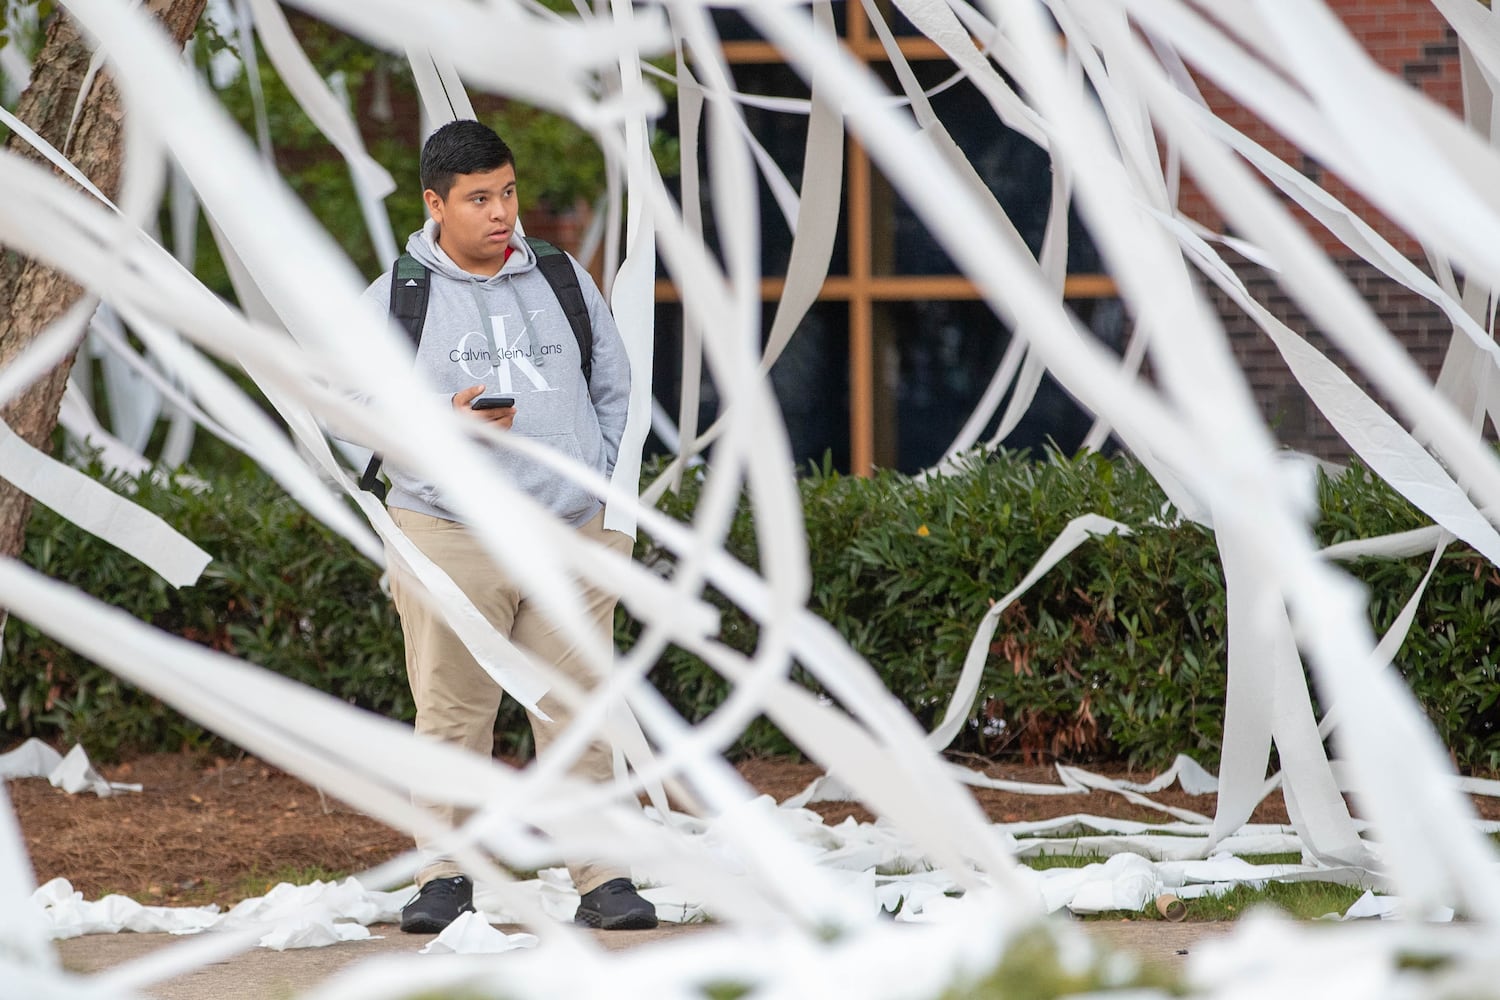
947,353
784,136
733,27
1015,170
811,382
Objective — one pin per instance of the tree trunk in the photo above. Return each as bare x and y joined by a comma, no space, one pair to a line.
32,296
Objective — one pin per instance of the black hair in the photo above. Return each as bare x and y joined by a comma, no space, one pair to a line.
461,147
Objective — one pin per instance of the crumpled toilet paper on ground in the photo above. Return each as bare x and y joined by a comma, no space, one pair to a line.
878,864
315,915
1370,906
32,759
313,933
69,915
1130,882
292,916
1124,882
73,773
471,934
552,890
346,900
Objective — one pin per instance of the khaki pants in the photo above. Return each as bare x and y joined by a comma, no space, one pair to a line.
456,700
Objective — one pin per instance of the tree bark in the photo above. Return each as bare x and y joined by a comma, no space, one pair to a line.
31,295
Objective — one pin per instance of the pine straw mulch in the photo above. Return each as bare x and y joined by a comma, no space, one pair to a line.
218,830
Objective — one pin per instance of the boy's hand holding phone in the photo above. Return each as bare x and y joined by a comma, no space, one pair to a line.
492,408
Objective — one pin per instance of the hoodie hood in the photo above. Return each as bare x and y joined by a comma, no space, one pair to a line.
423,245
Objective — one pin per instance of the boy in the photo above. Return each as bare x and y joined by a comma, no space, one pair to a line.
495,327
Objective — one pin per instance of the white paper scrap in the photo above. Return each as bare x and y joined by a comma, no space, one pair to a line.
471,934
346,900
1124,882
74,774
1371,906
313,932
826,788
907,899
69,915
559,898
32,759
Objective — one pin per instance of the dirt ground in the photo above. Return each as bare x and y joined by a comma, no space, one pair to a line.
219,830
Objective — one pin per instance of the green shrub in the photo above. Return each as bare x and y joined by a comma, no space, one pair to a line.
1449,657
1117,653
282,591
906,570
693,688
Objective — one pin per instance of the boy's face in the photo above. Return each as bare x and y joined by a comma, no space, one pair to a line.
476,219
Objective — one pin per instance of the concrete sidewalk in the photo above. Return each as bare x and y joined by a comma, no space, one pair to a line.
262,974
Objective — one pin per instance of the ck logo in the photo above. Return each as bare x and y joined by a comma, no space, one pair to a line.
516,354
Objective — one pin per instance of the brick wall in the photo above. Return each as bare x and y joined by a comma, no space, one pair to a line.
1412,40
1419,324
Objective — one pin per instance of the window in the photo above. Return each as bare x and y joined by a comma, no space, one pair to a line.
887,368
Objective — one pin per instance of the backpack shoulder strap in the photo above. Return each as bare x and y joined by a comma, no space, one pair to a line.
558,270
410,281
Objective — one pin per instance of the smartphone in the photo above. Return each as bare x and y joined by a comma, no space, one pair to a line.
492,402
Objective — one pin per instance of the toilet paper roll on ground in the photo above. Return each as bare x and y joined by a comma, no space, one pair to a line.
1171,907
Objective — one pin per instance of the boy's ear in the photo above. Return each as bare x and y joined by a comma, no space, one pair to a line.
434,204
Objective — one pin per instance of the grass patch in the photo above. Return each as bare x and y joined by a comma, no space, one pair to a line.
259,883
1033,968
726,990
1042,862
255,883
1299,900
1287,858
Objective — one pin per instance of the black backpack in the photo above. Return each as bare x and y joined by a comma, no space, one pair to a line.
410,281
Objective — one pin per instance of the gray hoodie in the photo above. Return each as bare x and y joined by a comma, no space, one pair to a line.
538,363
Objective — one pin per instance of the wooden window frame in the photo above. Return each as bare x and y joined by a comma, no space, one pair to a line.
862,287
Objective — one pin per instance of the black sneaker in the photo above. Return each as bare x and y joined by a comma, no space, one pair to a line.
615,906
437,904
